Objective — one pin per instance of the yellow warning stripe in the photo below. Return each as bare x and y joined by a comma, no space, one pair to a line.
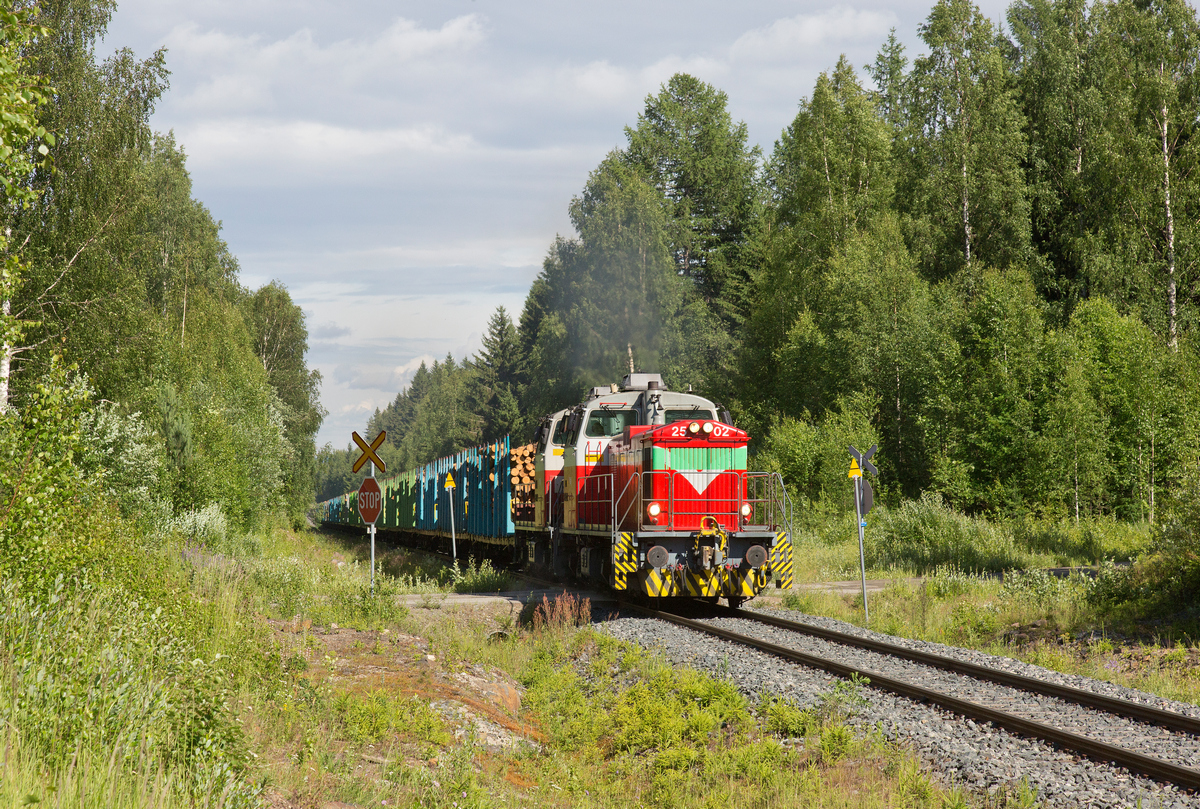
624,560
781,561
742,583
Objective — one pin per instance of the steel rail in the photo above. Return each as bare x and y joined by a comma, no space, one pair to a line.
1113,705
1091,748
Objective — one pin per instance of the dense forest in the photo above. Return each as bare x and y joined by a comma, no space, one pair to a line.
188,394
983,257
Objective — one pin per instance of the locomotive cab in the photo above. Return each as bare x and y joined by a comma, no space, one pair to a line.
551,438
607,414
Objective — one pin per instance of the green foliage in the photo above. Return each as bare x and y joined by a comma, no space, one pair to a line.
136,691
972,622
785,719
688,148
812,458
128,454
962,187
176,426
369,717
43,496
924,534
281,342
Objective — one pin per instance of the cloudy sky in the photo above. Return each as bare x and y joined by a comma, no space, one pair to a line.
403,166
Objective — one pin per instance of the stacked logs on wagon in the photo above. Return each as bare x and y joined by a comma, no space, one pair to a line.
522,476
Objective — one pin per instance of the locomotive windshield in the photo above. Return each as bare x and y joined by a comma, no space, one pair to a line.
560,433
672,416
607,423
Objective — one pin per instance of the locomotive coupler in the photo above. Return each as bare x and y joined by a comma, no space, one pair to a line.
708,546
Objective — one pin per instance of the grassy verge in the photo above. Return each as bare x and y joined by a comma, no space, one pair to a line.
264,673
922,535
1066,624
465,708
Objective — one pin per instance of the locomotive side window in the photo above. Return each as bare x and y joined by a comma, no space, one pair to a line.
673,416
607,423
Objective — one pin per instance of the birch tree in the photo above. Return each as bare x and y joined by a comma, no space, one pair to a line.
963,190
24,144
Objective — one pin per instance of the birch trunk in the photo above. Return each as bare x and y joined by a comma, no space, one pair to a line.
1172,336
6,358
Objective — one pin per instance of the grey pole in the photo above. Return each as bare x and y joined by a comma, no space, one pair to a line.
862,557
372,532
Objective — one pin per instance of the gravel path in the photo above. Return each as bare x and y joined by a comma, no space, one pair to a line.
980,758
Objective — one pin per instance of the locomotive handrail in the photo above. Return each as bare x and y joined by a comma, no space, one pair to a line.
770,499
774,500
637,501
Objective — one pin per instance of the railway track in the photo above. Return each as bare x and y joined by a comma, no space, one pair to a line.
1144,739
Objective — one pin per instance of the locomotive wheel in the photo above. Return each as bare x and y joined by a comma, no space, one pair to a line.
736,601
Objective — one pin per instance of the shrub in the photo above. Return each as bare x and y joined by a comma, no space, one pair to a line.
564,612
922,534
479,576
785,718
206,527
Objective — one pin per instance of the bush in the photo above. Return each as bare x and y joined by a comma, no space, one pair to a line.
923,534
786,719
206,527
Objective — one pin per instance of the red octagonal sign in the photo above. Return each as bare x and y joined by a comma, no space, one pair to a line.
370,501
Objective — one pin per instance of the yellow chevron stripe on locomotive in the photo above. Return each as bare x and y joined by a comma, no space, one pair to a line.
624,560
781,562
740,583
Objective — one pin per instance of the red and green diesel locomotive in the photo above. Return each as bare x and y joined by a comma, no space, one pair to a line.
639,488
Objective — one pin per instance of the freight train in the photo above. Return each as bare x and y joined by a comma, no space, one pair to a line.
637,488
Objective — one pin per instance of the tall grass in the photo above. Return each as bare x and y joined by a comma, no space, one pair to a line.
919,536
92,681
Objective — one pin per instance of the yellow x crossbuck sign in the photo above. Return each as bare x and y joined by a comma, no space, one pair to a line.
369,451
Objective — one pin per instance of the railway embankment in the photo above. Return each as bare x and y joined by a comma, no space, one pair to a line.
975,755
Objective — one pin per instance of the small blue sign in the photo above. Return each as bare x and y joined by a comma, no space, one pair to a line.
863,524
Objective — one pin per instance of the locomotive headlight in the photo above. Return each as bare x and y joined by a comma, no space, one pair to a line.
707,427
694,427
654,509
746,510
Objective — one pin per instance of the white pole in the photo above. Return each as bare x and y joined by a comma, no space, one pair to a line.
372,532
862,558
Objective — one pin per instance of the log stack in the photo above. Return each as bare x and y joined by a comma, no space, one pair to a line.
522,475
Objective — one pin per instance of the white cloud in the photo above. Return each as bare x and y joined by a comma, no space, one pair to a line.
250,72
381,377
805,36
601,82
306,142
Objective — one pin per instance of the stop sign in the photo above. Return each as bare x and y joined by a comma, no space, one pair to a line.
370,501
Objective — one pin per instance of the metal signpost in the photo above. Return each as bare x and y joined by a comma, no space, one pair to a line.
864,499
453,541
370,498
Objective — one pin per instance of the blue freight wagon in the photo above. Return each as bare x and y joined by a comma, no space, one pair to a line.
419,502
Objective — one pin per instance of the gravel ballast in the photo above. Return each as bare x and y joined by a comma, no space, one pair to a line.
980,758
